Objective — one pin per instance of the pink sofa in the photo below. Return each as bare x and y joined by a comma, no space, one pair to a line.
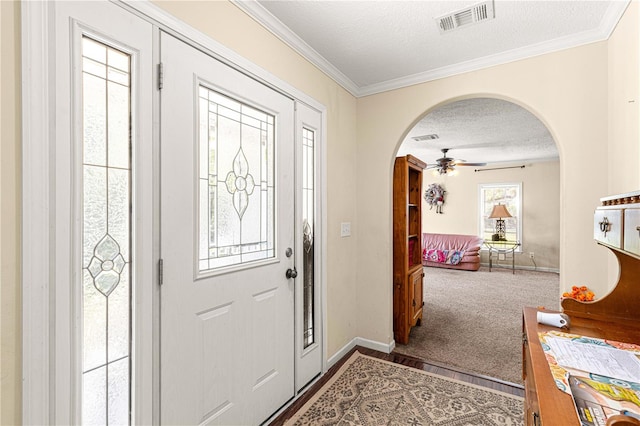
451,251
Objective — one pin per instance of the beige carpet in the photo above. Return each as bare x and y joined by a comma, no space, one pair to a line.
473,320
370,391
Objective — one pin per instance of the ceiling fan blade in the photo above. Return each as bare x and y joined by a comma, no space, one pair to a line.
471,164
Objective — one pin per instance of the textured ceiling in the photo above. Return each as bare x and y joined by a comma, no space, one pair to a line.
481,130
374,46
377,45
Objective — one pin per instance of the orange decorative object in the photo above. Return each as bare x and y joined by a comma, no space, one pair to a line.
583,294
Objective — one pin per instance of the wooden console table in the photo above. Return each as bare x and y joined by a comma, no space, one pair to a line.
545,404
615,316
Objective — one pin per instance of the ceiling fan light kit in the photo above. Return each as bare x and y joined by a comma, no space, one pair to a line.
447,165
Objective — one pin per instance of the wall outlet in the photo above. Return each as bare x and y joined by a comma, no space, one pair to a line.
345,229
531,255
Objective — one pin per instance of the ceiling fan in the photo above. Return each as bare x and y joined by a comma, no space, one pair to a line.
446,165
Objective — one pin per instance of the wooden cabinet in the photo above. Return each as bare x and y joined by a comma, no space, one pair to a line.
415,292
615,316
407,246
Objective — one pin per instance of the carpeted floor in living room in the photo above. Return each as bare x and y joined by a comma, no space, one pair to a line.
473,320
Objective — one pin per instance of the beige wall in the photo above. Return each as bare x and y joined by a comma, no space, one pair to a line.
10,331
566,90
623,150
569,92
624,103
540,205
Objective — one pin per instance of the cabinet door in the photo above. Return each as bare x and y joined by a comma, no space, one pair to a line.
415,293
607,227
632,231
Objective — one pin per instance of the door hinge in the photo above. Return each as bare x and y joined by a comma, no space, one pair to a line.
160,75
160,271
524,339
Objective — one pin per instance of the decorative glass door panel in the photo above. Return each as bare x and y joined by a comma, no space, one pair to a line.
106,289
236,182
308,221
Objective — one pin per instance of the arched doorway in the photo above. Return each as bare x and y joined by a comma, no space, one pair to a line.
519,151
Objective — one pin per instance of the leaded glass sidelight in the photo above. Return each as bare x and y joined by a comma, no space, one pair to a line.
106,275
308,222
236,182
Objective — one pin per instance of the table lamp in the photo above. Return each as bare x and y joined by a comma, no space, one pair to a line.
499,212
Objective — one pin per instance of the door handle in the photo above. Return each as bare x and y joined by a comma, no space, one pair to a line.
291,273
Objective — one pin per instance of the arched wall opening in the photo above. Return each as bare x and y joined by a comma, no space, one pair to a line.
565,91
503,134
506,136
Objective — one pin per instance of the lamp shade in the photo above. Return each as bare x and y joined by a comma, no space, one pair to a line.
499,211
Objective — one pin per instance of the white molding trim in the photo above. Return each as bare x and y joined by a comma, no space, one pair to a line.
342,352
562,43
322,179
387,348
37,237
524,268
271,23
365,343
198,39
265,18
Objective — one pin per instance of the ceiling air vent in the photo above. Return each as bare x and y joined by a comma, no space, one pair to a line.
470,15
425,137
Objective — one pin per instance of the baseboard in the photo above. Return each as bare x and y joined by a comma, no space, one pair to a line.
360,341
341,353
524,268
376,346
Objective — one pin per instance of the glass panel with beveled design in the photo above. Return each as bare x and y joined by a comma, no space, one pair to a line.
106,260
308,222
236,187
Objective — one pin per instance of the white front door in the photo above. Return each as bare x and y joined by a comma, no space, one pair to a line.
227,221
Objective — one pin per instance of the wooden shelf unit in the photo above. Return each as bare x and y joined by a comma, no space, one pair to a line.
615,316
407,246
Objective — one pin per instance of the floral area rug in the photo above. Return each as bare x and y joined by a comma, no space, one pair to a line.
370,391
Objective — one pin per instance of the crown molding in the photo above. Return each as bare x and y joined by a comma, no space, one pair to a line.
256,11
265,18
603,32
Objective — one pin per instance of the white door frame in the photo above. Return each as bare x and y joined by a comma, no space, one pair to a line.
50,227
38,223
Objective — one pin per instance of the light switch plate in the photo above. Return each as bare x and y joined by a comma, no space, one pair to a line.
345,229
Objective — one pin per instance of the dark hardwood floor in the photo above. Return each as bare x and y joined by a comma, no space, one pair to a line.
442,370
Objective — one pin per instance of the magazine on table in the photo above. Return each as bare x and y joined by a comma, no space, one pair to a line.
602,376
598,397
